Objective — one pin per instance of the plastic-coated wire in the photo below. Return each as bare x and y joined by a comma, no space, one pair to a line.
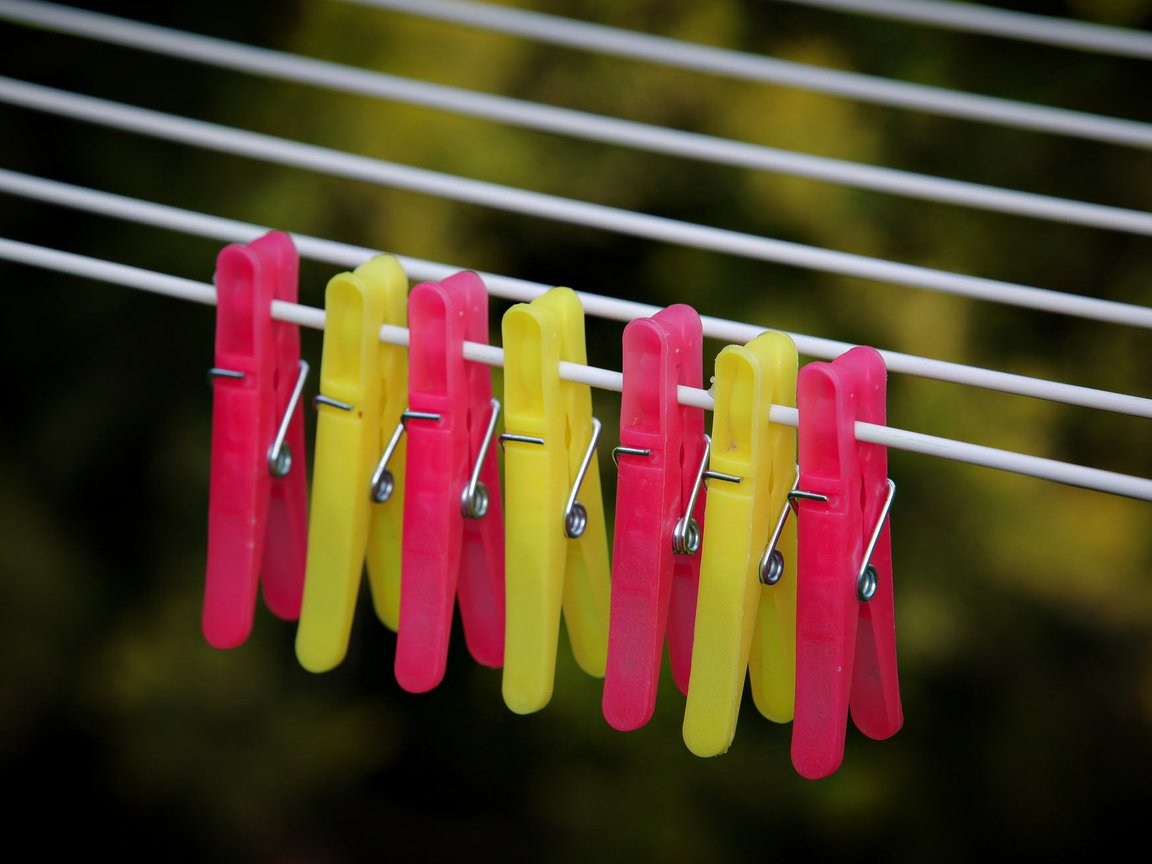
268,148
562,121
769,70
971,18
522,290
901,439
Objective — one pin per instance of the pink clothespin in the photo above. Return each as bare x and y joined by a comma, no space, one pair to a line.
453,514
257,504
659,514
845,623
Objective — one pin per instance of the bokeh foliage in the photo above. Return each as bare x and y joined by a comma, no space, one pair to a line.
1024,608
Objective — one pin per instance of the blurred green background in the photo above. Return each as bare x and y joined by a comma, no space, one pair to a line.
1024,608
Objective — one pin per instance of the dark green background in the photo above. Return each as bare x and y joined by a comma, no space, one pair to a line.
1024,609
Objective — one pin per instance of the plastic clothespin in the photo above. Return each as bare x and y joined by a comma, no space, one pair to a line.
453,515
845,624
662,457
348,435
557,545
258,487
752,466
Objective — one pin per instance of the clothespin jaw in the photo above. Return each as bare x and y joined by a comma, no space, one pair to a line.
257,516
347,444
660,458
845,650
556,552
747,449
448,428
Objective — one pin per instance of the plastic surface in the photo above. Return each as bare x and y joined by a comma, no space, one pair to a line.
386,518
545,571
257,523
347,450
445,553
652,495
845,648
742,626
772,659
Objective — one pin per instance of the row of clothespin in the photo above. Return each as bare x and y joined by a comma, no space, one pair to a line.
407,485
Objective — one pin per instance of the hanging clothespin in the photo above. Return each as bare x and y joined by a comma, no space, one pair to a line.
348,435
453,515
557,546
258,495
743,613
662,457
845,624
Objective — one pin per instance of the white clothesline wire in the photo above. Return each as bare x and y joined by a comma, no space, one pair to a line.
307,316
1026,27
337,163
703,58
562,121
522,290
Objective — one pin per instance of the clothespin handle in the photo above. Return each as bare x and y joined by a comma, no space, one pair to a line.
286,545
480,588
696,445
772,659
386,508
437,471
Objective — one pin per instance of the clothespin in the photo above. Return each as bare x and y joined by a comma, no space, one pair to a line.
662,457
258,496
453,516
556,555
845,624
743,602
348,435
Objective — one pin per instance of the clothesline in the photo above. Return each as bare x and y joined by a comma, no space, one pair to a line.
749,67
296,68
174,286
338,163
349,255
970,18
298,154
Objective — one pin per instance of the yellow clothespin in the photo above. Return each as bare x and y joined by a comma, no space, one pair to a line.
556,551
752,469
348,438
